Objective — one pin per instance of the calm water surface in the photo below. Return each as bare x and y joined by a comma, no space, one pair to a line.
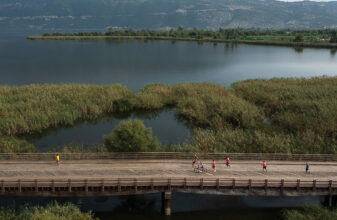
135,63
164,124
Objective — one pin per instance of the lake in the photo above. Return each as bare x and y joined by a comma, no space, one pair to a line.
137,63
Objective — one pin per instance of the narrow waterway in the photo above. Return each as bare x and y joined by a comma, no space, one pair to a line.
164,124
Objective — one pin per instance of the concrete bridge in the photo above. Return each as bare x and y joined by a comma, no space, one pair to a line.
108,174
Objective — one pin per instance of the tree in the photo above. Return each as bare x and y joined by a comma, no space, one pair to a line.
333,37
299,38
131,136
180,28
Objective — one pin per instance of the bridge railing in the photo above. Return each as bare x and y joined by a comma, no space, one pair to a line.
159,184
167,156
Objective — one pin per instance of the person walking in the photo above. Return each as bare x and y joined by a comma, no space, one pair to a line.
57,159
264,166
227,162
213,166
307,168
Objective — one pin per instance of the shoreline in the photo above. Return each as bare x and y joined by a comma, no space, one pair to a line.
209,40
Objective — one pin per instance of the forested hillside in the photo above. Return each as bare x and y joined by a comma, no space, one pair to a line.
154,14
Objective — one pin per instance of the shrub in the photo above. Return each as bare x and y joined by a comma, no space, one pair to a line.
15,145
131,136
52,211
310,213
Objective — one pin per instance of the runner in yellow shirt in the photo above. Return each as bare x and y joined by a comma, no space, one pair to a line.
58,159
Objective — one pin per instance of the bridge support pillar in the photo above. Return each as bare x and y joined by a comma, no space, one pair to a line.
166,203
330,201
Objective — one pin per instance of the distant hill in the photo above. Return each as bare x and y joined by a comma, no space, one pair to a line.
72,15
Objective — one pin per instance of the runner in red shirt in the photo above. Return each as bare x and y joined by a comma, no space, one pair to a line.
213,166
264,165
227,162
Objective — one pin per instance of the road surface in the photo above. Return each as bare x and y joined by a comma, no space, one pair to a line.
110,169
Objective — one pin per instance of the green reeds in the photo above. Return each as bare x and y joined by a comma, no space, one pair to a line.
277,115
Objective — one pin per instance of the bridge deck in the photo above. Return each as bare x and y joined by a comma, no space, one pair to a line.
96,169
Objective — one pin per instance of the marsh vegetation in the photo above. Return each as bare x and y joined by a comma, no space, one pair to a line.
300,112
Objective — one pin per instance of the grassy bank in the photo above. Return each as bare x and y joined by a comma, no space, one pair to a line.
304,38
52,211
278,115
310,213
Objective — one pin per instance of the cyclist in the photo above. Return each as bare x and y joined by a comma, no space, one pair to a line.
202,167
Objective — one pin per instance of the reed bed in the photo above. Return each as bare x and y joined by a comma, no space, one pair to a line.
277,115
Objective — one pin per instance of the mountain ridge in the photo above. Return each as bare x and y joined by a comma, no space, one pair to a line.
163,14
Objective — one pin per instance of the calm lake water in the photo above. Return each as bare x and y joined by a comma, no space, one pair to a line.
137,63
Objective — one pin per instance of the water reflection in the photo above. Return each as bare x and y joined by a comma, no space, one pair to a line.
299,49
136,204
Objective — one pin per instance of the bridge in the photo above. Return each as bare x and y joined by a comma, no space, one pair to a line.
105,174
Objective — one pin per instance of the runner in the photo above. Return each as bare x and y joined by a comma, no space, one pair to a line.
264,165
227,162
57,159
213,166
195,159
307,168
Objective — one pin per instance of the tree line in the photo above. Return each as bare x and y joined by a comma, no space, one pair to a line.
221,34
